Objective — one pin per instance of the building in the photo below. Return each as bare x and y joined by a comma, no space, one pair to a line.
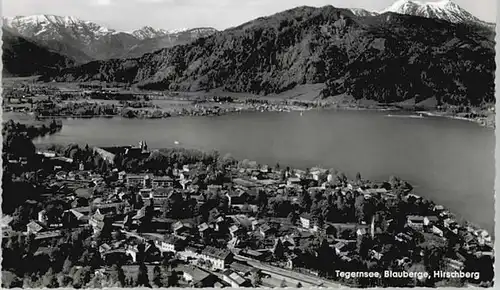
48,235
34,228
438,231
449,223
148,181
430,220
219,258
243,269
340,247
293,181
415,222
266,230
99,220
235,279
204,230
161,181
169,243
42,217
306,221
182,228
236,231
454,264
76,216
237,197
136,180
196,276
376,254
106,155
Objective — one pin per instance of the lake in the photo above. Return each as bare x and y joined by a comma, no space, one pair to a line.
448,161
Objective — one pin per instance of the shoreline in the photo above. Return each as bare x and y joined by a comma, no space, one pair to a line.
481,121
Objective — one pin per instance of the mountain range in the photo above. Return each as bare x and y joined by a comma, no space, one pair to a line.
388,57
84,41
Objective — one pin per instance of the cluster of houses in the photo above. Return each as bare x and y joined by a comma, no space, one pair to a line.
235,234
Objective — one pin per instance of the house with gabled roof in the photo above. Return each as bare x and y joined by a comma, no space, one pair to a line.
306,221
340,247
237,197
265,230
235,279
243,269
47,235
34,227
182,228
416,222
204,230
236,231
99,220
219,258
196,276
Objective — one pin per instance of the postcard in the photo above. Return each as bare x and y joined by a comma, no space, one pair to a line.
248,143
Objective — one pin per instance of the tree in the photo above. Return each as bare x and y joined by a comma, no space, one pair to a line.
278,249
256,279
81,277
358,177
283,284
359,204
433,259
49,279
363,245
341,178
157,279
174,206
305,201
104,167
67,265
293,217
142,277
117,275
262,200
65,281
172,279
18,144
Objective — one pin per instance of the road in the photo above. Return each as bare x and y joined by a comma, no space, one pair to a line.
288,275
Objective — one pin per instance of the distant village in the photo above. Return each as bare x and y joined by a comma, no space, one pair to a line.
131,216
94,100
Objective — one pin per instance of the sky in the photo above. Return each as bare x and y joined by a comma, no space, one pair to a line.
128,15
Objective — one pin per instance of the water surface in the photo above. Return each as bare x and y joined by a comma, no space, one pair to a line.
448,161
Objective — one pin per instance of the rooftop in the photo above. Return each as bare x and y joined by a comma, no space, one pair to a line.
216,253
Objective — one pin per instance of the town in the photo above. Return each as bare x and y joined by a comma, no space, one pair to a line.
129,216
94,100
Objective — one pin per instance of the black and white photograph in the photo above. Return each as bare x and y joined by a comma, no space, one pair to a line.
248,143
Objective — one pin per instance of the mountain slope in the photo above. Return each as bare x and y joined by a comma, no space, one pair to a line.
22,57
389,57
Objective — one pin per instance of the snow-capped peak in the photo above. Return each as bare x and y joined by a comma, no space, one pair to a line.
148,32
47,26
444,9
178,30
362,12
